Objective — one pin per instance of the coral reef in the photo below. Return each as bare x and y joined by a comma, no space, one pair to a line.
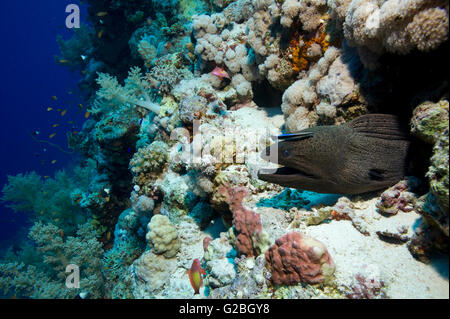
430,123
397,198
44,279
163,236
295,258
149,159
183,97
250,239
393,26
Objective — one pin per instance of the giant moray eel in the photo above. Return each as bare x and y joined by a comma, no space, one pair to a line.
367,154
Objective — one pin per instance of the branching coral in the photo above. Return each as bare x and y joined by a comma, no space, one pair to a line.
47,279
112,95
166,73
22,191
58,200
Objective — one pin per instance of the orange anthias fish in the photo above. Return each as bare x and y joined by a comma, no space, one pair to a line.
220,72
195,275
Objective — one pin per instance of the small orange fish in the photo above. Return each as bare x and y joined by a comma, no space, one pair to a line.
61,233
46,177
49,109
195,275
63,112
55,125
54,98
75,132
54,162
52,135
86,115
102,14
63,61
100,33
80,106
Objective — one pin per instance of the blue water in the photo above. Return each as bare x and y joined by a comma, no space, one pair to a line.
30,77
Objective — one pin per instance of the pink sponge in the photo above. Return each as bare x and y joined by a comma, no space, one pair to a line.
295,258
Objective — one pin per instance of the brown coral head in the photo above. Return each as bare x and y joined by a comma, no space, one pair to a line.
246,222
295,258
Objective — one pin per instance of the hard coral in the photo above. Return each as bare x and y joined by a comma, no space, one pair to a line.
295,258
394,26
150,158
310,12
163,236
429,120
430,123
167,72
247,223
192,108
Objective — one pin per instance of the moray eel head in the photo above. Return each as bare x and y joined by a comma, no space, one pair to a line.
293,152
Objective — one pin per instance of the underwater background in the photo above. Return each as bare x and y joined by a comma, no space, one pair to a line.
29,30
98,140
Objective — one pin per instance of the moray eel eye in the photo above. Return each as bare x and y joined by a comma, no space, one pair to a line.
286,153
